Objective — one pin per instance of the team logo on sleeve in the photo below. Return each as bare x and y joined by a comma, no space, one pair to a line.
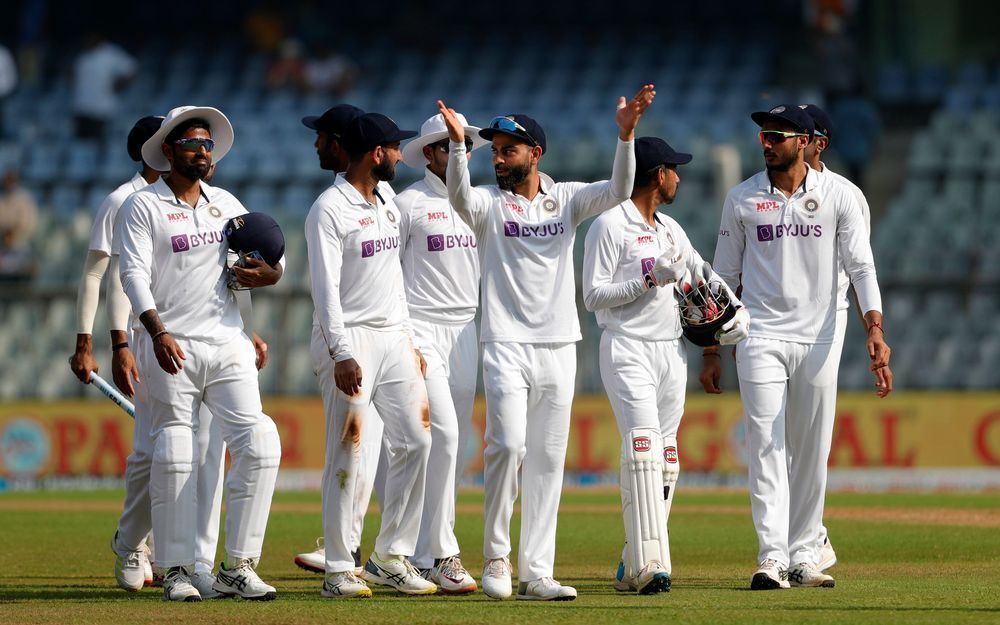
641,443
550,205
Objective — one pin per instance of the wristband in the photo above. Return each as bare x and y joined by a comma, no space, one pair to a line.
876,324
118,346
159,334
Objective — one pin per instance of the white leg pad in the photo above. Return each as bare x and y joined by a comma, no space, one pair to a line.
671,470
645,520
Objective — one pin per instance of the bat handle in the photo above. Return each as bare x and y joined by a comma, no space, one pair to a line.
112,394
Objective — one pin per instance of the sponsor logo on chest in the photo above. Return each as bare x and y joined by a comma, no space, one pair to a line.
645,239
437,216
174,218
537,231
186,242
514,206
769,232
372,247
365,222
441,242
767,206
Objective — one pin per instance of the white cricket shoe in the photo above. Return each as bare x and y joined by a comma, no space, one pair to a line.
653,578
623,583
204,582
130,567
827,556
147,565
345,585
806,575
496,578
770,575
545,589
177,586
243,580
451,577
315,560
396,572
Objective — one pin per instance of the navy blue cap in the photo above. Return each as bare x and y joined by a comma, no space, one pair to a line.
651,152
143,130
256,233
787,113
335,120
820,118
370,130
518,126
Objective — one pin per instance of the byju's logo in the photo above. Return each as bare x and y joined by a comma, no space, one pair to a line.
374,246
765,233
435,243
770,233
180,243
647,264
551,229
511,229
441,242
367,249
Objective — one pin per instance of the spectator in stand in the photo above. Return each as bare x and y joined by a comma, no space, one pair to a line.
100,72
329,72
17,223
288,70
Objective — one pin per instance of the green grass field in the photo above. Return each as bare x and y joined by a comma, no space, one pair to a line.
904,558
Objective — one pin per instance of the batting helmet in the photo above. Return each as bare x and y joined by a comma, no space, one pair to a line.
256,234
705,307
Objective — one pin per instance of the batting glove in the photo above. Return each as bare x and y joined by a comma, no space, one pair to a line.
668,269
736,329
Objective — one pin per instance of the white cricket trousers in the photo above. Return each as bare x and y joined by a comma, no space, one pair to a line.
789,395
529,394
223,378
136,520
452,355
391,381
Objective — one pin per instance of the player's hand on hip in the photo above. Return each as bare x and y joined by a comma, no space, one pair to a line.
260,348
736,329
883,381
456,132
711,372
168,353
124,371
629,111
82,361
347,376
258,274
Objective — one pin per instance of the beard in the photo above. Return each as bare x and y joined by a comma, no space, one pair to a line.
384,171
194,171
513,177
782,164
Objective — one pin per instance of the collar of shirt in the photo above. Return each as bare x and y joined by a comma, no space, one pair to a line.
165,193
435,184
812,179
632,214
353,195
138,182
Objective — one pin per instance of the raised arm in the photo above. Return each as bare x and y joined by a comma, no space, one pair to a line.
471,204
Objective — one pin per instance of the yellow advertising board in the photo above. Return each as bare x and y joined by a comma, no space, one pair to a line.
919,430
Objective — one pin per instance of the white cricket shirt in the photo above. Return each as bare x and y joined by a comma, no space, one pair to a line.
789,252
843,280
102,231
173,259
620,247
354,268
439,254
526,247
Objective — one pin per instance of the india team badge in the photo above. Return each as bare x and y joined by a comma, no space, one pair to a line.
214,211
811,206
550,205
390,216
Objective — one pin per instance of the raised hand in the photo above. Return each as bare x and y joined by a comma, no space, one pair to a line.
630,111
456,132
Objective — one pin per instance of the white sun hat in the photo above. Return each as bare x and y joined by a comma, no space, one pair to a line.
218,126
432,131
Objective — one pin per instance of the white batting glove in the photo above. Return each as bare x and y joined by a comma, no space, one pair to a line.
736,329
668,268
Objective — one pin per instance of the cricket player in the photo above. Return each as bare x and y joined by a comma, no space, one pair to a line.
362,349
631,253
441,276
525,229
822,136
173,261
330,128
784,236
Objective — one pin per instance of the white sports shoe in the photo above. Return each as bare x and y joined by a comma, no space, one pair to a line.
827,556
243,580
623,583
496,578
314,560
806,575
147,565
130,567
545,589
345,585
396,572
451,577
653,578
770,575
177,586
203,582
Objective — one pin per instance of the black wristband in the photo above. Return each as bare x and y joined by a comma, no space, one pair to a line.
118,346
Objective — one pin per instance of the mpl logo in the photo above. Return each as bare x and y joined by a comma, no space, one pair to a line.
670,455
641,443
364,222
180,243
645,239
770,205
437,216
514,206
176,217
372,247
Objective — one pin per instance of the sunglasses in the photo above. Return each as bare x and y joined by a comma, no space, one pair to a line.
443,146
508,124
775,137
195,144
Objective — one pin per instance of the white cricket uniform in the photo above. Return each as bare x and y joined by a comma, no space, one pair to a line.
173,259
529,330
441,275
136,521
787,253
357,288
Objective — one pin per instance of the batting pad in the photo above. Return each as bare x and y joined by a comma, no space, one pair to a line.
643,507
